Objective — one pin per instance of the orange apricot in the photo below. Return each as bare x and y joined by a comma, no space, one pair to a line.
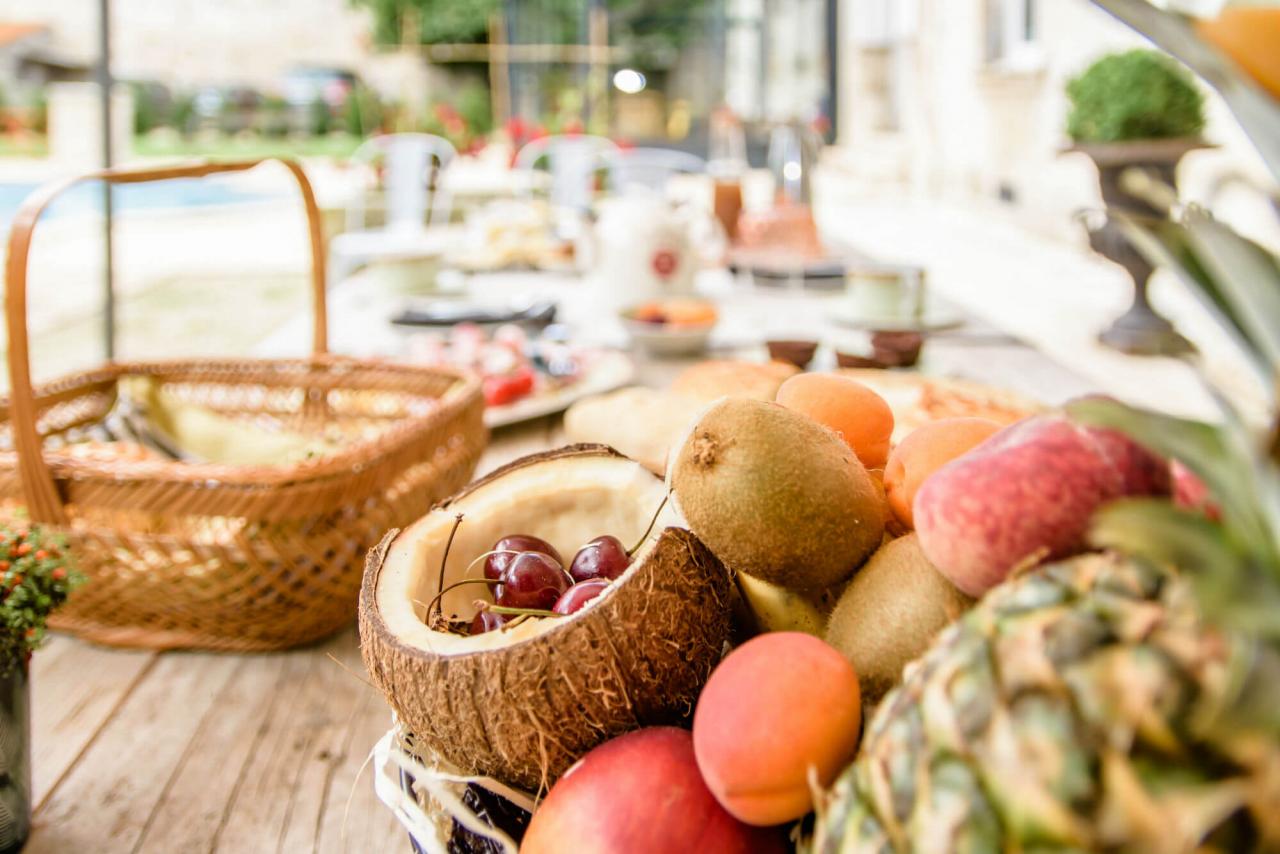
779,707
853,410
925,450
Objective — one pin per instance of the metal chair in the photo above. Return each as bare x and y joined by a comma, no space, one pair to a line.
651,168
412,165
571,161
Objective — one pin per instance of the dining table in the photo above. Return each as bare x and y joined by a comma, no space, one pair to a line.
179,751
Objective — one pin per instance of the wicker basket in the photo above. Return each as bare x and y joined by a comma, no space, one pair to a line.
212,556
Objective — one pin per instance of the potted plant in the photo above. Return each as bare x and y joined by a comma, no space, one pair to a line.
1134,110
35,577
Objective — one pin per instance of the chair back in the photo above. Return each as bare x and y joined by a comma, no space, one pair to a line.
651,168
572,162
412,164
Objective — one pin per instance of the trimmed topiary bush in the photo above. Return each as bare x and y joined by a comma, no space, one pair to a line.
1138,94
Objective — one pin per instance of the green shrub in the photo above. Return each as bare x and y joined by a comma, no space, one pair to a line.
1138,94
362,114
319,118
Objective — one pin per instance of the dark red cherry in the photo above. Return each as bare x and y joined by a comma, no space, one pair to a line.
485,621
579,595
496,563
603,557
533,580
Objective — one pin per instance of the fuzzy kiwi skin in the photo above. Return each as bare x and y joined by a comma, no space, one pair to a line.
776,495
890,613
524,713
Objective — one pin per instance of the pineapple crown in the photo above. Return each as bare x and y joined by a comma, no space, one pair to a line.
1235,563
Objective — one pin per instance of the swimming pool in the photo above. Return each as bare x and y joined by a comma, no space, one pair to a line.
177,193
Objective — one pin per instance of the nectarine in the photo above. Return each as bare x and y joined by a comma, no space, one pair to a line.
1027,492
778,707
637,793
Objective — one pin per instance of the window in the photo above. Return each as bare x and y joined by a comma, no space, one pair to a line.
1013,35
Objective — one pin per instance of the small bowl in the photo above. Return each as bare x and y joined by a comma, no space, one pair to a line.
798,353
856,360
668,339
897,349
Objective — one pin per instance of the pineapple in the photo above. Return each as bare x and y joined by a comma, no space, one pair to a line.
1077,708
1126,700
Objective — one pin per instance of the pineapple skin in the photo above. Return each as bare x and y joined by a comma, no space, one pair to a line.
1073,709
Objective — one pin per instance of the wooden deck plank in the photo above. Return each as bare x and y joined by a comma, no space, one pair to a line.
354,820
195,801
284,782
105,800
75,689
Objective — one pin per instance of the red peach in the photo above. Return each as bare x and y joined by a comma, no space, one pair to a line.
640,792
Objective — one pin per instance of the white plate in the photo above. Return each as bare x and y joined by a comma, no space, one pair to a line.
609,369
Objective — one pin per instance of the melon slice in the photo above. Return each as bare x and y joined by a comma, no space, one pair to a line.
522,704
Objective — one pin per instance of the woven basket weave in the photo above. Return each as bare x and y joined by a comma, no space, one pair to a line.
212,556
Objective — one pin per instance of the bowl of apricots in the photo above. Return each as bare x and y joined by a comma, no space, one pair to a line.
671,327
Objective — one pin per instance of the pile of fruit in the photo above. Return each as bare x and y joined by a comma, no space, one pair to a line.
1066,630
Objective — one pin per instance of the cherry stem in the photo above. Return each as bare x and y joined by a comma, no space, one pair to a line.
527,612
647,531
471,565
453,586
457,520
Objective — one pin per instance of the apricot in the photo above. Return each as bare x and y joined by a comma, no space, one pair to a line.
925,450
853,410
779,707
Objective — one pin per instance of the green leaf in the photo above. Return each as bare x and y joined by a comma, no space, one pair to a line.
1247,277
1257,113
1232,585
1168,244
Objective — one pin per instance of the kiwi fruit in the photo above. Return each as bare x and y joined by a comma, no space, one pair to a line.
776,495
890,612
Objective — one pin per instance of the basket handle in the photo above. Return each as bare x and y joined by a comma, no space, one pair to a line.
42,499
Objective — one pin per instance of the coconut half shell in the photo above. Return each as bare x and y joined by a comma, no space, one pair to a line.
523,704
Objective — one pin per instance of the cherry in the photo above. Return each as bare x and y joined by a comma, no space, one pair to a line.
577,596
532,580
603,557
485,621
496,563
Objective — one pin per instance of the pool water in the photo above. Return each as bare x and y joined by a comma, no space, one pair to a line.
86,198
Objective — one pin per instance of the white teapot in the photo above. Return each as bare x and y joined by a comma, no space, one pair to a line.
643,249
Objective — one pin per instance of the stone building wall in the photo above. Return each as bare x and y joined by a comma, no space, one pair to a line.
196,42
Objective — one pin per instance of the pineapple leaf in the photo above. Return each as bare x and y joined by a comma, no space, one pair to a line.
1247,276
1253,108
1168,244
1223,461
1229,584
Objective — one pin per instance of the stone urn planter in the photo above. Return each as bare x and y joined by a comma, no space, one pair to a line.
1140,330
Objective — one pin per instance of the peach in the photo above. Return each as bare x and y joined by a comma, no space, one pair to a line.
1026,494
925,450
640,792
853,410
779,707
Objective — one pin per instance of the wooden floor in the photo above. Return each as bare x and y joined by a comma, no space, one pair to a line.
193,752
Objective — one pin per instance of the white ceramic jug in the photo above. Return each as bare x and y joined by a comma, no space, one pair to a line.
643,249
